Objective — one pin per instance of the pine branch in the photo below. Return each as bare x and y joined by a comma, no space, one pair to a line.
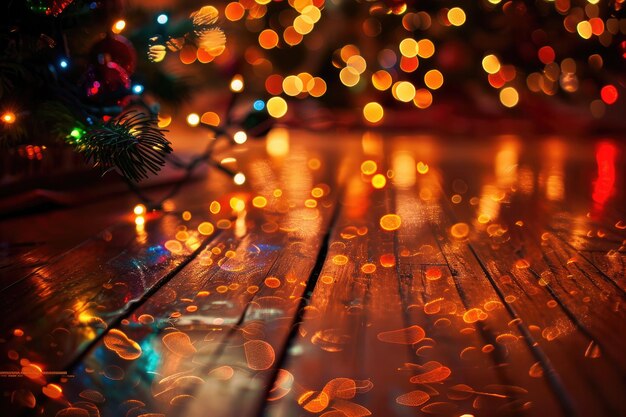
130,144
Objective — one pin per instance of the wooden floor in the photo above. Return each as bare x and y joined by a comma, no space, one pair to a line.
486,278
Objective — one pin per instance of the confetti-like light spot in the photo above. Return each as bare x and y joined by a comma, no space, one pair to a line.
406,336
282,385
206,228
259,201
433,273
459,230
272,282
437,374
126,348
390,222
387,260
179,344
53,391
344,388
379,181
368,268
413,398
340,259
473,315
174,246
259,355
222,373
314,402
369,167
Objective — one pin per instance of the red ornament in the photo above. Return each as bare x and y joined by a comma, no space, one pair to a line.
116,49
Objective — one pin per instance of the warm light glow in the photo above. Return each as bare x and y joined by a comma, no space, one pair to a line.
373,112
433,79
193,119
239,178
8,117
381,80
404,91
268,39
408,47
277,107
240,137
292,85
425,48
379,181
277,142
139,209
236,84
369,167
118,26
456,16
509,96
491,64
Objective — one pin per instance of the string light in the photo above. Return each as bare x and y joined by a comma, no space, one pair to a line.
240,137
236,84
8,117
118,26
239,178
193,119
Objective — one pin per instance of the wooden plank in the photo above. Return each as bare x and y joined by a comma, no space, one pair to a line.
508,251
206,306
354,314
572,353
433,300
72,301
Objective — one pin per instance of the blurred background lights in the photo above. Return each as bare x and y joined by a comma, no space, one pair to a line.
162,19
137,88
456,16
8,117
239,178
236,84
258,105
373,112
63,63
509,96
118,26
240,137
193,119
277,107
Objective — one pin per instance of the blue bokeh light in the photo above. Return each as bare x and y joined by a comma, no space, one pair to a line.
259,105
162,19
137,88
